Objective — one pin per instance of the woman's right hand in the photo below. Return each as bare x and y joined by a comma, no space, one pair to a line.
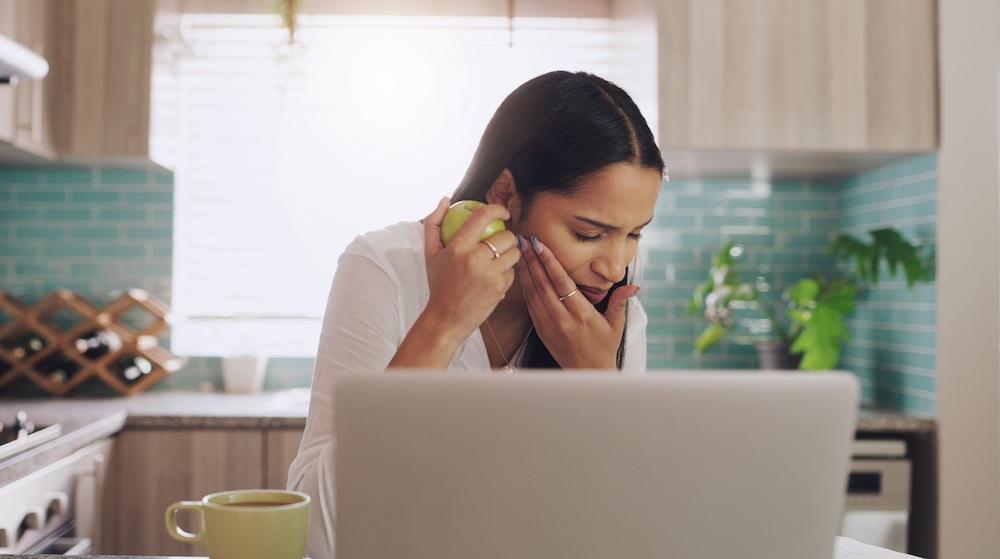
466,280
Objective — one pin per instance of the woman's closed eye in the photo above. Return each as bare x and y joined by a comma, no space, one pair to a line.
594,238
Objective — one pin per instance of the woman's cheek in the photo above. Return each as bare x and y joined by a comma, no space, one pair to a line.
573,259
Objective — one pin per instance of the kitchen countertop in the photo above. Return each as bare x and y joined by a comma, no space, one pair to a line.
90,419
87,420
284,409
78,430
843,548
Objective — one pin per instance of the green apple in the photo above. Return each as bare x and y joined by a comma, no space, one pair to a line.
458,213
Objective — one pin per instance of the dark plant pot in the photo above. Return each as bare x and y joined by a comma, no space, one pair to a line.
775,355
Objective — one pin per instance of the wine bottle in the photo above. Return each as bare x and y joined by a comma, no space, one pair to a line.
26,347
60,370
97,343
133,368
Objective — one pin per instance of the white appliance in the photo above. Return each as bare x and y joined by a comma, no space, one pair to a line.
55,510
878,494
19,62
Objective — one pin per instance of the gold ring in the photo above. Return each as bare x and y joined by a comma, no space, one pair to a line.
496,253
570,294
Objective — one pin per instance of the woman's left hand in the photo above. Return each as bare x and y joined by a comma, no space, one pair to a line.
575,333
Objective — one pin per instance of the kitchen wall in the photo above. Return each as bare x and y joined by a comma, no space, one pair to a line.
893,349
93,230
99,229
785,227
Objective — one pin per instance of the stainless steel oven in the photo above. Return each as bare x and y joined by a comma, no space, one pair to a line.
55,509
877,509
62,542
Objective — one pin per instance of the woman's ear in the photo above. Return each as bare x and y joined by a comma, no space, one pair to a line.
503,191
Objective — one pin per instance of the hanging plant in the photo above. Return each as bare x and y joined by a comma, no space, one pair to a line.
288,10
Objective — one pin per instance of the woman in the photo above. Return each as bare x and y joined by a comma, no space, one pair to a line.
570,165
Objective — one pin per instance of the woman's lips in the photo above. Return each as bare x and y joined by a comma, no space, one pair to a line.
593,295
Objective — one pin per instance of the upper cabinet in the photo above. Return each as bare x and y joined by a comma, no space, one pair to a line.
795,86
95,101
24,115
798,74
8,26
100,66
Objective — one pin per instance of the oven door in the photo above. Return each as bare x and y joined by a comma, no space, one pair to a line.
62,542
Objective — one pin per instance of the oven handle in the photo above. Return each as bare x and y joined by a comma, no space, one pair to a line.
78,546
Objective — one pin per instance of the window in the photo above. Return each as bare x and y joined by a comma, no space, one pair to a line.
283,155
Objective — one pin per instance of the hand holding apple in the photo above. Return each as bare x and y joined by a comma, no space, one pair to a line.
466,280
459,213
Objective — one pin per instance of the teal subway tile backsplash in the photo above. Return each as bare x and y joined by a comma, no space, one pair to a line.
785,228
199,372
57,229
108,200
110,177
40,196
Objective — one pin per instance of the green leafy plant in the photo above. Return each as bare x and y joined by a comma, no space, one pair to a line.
815,309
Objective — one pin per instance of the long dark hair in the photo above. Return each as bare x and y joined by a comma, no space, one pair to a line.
552,132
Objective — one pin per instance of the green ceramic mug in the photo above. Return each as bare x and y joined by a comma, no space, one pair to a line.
247,524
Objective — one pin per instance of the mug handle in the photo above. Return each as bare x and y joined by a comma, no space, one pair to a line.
175,531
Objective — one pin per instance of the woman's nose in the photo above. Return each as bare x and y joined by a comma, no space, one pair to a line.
612,263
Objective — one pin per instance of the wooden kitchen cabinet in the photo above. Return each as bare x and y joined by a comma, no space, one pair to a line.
281,447
32,126
801,87
8,108
100,67
8,17
95,101
854,75
25,118
154,468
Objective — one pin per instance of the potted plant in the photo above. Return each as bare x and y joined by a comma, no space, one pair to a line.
806,329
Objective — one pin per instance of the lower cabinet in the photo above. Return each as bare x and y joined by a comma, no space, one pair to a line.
281,446
153,468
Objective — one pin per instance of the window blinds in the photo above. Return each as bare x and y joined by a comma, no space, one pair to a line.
282,155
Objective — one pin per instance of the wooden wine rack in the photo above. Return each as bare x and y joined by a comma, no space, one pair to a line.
36,319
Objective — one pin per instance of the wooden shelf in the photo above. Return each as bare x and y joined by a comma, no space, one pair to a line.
60,344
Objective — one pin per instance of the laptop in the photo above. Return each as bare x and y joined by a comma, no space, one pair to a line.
671,464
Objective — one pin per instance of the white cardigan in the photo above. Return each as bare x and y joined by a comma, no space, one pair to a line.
378,292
